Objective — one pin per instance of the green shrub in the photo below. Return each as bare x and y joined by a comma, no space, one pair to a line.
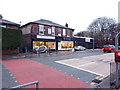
11,38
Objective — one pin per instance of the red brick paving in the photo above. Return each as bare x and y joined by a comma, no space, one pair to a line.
26,71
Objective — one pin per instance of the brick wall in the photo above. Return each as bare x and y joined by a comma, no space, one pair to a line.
27,41
10,52
26,29
12,27
35,29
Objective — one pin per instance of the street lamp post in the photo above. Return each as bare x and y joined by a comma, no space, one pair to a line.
117,68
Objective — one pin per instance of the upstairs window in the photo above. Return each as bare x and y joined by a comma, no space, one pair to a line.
59,31
49,30
53,30
64,32
4,26
68,33
41,29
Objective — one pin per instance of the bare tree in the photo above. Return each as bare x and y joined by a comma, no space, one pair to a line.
101,29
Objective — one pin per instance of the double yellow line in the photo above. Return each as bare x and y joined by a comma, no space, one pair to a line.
100,77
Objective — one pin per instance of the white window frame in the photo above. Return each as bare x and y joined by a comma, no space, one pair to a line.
4,26
59,30
53,30
68,33
49,30
41,29
64,32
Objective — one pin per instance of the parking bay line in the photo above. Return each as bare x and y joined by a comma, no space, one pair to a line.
79,68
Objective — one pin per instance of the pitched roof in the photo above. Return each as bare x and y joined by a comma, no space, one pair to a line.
47,22
4,21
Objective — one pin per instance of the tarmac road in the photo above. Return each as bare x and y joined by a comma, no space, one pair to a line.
83,65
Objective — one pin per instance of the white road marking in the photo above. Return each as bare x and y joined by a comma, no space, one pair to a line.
86,64
79,68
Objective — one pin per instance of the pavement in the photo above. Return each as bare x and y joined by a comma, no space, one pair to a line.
32,55
52,53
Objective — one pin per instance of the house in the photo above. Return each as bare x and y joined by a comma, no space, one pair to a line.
45,32
8,24
8,29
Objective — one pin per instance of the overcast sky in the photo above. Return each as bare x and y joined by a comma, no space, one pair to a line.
77,13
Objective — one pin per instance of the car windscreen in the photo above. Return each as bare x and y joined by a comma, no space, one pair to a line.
106,46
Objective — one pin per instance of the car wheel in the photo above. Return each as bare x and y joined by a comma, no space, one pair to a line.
46,51
104,51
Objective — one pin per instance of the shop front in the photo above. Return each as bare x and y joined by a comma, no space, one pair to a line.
64,43
53,43
48,41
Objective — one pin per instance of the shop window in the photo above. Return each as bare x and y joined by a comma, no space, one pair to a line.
41,29
53,30
37,44
51,45
67,44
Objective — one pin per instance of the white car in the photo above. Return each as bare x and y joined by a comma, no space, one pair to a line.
79,48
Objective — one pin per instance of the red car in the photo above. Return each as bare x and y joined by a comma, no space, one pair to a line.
108,48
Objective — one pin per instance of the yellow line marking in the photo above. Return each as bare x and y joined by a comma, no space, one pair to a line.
92,83
100,77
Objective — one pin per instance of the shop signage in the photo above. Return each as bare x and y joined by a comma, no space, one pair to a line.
45,37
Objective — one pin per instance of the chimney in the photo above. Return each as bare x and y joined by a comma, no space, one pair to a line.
1,16
66,25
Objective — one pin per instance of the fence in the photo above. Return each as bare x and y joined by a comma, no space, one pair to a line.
25,85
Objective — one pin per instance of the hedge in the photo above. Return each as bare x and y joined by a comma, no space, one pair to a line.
11,38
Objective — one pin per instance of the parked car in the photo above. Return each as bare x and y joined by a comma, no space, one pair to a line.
108,48
42,49
79,48
119,47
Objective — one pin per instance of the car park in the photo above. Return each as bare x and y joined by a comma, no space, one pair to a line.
41,49
79,48
108,48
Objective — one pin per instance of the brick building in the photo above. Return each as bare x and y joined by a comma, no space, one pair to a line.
8,24
45,32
